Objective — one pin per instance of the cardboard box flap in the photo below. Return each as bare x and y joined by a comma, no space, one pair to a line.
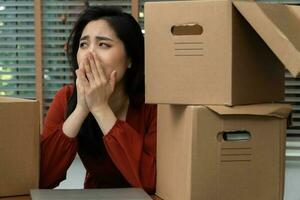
279,26
275,110
14,100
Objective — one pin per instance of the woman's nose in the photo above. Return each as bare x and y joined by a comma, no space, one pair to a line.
88,52
91,48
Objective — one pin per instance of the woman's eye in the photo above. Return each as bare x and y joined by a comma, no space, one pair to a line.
104,45
82,44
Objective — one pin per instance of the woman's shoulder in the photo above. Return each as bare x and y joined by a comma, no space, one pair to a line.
138,103
150,107
65,91
63,94
149,110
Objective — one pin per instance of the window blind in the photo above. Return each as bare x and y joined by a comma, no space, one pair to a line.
292,96
17,61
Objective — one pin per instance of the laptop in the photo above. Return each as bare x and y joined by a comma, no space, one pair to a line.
90,194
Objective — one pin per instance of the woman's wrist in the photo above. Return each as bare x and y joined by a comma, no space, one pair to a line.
104,117
73,123
100,108
81,111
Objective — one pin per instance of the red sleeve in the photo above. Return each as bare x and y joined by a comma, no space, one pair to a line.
134,153
57,150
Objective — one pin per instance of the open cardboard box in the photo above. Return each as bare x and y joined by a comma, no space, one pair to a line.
221,153
219,52
19,146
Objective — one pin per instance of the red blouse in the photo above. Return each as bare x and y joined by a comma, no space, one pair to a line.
130,145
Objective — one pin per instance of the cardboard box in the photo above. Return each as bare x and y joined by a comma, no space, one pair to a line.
219,52
221,153
19,146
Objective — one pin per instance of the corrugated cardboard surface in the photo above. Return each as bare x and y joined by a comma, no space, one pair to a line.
278,25
194,161
256,70
270,109
19,146
229,61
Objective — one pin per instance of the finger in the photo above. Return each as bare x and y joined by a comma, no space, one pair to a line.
77,77
81,77
86,67
82,70
112,79
94,68
80,64
80,82
90,79
88,73
99,68
78,74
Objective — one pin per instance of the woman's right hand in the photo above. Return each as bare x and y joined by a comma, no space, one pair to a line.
80,82
74,122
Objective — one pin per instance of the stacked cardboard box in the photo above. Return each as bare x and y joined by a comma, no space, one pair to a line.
215,68
19,146
214,152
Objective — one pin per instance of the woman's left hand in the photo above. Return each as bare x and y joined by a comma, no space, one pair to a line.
99,88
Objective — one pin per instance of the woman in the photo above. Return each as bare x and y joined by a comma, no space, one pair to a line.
102,116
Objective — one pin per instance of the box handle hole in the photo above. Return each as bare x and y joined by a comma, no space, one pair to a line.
232,136
187,29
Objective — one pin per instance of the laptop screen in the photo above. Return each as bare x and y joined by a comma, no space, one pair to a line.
90,194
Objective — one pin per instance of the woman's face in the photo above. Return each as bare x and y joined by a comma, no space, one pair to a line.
100,38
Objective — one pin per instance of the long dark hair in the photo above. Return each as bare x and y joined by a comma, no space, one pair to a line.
129,32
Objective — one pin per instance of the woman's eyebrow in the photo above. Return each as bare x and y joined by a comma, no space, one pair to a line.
84,37
97,37
103,38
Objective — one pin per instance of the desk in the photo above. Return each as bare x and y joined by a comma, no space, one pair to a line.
28,198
